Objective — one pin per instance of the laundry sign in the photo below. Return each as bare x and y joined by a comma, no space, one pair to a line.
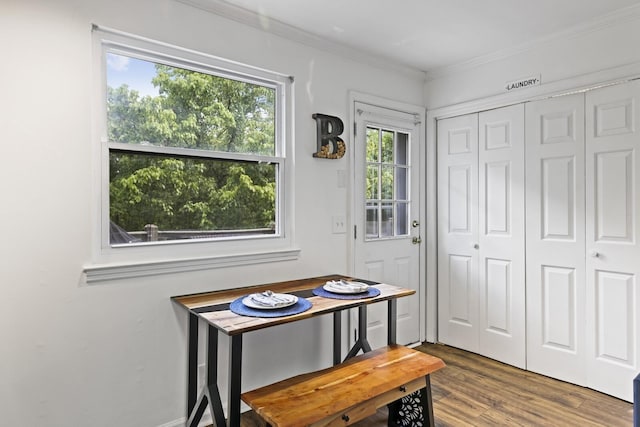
523,83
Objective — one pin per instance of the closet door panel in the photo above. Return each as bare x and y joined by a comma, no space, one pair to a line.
555,221
559,290
557,194
501,272
612,238
613,196
457,232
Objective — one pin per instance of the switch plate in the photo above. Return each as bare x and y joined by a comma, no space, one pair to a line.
338,224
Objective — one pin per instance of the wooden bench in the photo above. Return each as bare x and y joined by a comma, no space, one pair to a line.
348,392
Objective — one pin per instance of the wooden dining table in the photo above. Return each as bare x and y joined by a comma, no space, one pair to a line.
214,309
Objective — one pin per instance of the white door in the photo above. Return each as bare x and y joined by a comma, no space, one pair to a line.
613,238
501,270
555,238
481,287
387,247
458,255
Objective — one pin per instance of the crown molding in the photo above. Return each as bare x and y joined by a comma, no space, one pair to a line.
630,13
574,84
289,32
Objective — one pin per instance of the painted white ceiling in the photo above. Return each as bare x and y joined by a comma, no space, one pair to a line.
431,34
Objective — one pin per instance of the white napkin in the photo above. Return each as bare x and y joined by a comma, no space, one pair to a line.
269,299
345,286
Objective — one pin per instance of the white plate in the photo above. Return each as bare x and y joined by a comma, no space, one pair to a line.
252,304
327,287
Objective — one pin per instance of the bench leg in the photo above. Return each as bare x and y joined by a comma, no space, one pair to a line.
427,404
417,406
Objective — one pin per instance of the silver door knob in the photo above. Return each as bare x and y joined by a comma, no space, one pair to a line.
595,254
415,223
475,246
416,240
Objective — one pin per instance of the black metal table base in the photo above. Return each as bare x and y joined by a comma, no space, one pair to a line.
210,395
362,342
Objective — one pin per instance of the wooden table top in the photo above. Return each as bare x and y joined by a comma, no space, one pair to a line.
213,307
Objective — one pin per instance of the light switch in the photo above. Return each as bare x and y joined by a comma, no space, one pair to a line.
338,224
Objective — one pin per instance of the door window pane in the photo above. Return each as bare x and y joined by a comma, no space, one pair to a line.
386,229
401,148
373,144
373,181
372,220
401,183
387,146
402,219
387,182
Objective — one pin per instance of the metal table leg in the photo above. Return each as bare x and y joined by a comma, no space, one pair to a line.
210,395
337,337
192,363
361,343
392,318
212,378
362,328
427,403
235,380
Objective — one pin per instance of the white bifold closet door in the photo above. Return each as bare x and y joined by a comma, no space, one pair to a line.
556,290
583,251
458,232
613,238
481,276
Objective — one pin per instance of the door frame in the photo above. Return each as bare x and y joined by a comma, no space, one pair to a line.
560,87
420,113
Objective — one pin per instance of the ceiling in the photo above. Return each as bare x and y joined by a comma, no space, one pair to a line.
429,34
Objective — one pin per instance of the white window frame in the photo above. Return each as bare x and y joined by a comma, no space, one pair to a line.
393,200
111,262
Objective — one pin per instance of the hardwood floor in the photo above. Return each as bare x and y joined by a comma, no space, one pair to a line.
475,391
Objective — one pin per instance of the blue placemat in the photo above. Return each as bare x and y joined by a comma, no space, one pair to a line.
238,307
371,292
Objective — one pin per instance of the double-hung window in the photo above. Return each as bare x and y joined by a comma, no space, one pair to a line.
193,150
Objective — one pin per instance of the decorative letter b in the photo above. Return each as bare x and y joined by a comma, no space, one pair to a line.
330,145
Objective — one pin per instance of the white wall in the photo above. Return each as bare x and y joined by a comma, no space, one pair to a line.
595,47
113,354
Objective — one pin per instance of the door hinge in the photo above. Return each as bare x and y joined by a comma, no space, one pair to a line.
355,232
355,128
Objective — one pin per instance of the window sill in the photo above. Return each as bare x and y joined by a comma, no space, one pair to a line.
100,273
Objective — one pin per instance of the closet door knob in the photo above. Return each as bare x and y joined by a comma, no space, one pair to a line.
595,254
475,246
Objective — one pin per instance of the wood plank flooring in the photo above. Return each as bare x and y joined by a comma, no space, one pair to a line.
475,391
